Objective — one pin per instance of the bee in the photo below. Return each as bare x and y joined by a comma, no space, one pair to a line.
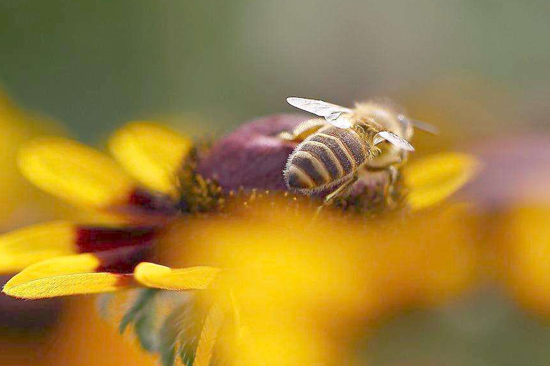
333,150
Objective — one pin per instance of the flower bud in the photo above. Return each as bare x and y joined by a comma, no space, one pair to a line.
252,156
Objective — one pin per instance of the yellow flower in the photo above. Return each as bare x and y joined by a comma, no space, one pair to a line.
65,258
276,259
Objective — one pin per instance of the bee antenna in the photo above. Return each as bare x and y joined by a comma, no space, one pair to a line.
420,125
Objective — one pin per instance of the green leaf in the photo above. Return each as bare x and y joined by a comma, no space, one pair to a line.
169,333
142,301
103,305
180,332
144,330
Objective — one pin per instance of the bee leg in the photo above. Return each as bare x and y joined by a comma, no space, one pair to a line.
337,192
303,130
287,136
393,174
340,190
389,188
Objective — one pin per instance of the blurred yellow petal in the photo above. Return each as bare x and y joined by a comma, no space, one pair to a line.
523,236
209,334
74,172
156,276
69,275
435,178
32,244
21,202
151,153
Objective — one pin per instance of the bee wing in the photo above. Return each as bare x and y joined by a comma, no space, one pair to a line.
339,120
331,112
393,139
423,126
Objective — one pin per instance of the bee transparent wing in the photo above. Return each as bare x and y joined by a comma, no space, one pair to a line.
334,114
392,138
419,125
318,107
339,120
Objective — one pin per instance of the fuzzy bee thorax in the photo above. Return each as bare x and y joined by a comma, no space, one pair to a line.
379,117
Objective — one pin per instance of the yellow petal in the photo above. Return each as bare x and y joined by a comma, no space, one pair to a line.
69,275
74,172
156,276
433,179
151,153
32,244
523,236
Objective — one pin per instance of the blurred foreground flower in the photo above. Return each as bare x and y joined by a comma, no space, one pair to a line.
514,203
288,280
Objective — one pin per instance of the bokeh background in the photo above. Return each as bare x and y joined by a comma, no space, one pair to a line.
477,69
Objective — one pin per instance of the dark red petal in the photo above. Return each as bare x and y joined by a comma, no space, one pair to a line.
122,260
95,239
148,202
252,156
144,206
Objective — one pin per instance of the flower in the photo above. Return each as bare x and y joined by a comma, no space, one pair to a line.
181,212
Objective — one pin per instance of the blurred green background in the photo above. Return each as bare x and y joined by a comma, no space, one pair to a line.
94,65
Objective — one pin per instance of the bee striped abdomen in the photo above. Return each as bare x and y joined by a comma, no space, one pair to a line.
331,166
306,171
325,157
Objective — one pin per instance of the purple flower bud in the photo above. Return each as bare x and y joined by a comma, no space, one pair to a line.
252,156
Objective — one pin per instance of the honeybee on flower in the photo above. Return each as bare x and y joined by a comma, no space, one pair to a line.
334,150
165,185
